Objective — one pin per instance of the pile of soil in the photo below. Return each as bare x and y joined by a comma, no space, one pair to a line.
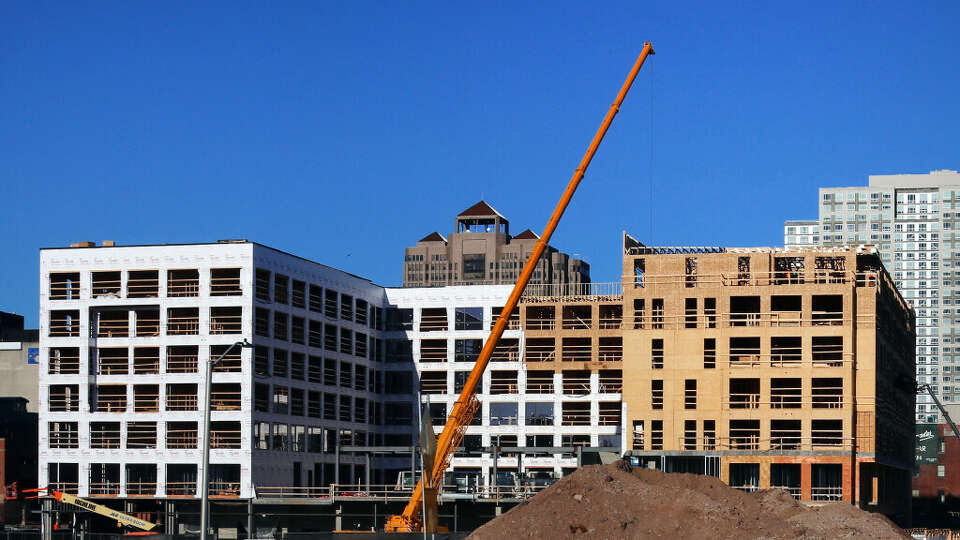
612,501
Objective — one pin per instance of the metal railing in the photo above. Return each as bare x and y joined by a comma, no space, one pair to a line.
141,489
183,287
572,292
183,326
827,493
226,324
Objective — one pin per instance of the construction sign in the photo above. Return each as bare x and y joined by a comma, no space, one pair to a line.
121,518
928,444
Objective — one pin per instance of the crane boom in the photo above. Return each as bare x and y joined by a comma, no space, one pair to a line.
467,404
940,406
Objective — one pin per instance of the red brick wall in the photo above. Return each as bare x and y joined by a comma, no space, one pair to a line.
928,483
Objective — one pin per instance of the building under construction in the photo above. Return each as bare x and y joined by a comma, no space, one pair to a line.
764,367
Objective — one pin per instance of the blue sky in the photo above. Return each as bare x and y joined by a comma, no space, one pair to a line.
318,127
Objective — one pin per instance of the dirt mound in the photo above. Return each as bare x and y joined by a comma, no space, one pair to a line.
606,501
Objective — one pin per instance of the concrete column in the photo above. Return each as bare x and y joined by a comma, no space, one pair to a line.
170,519
47,520
251,523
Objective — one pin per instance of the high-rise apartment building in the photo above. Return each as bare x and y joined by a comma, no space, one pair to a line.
911,218
481,251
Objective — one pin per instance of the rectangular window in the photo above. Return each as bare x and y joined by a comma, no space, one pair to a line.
657,315
281,399
297,334
690,394
280,283
296,401
709,353
280,325
690,313
656,353
710,312
296,366
709,434
263,285
656,394
279,363
690,435
316,299
469,318
346,307
261,323
656,435
299,294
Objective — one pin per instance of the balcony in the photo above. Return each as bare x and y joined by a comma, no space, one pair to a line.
141,435
576,350
63,435
611,317
433,350
231,363
540,350
182,435
540,318
113,324
182,359
183,321
611,349
577,317
64,323
539,382
148,322
64,361
433,382
181,397
575,414
111,398
105,435
106,285
433,320
146,398
225,397
225,435
64,286
610,381
226,320
143,284
64,398
507,350
112,361
225,282
182,283
504,382
141,480
576,383
146,360
609,413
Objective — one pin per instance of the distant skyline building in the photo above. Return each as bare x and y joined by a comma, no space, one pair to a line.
911,218
481,251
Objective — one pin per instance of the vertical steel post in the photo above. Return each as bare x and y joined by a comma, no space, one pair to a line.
205,476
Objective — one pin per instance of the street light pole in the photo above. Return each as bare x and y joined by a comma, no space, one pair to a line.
205,486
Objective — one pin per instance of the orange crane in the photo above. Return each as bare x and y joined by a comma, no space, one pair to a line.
425,500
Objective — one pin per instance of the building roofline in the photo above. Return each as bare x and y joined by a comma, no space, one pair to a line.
221,243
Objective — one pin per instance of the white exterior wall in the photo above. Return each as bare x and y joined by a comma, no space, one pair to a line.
491,297
258,467
162,258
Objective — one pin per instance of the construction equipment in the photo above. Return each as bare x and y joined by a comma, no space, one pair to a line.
120,517
926,387
424,501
